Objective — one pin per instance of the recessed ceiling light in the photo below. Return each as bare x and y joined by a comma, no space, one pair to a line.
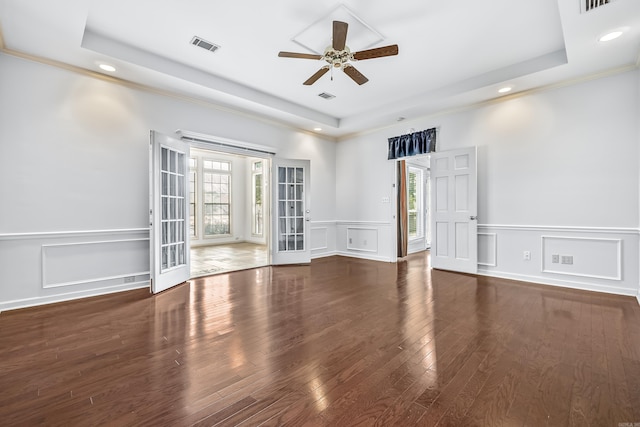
505,89
611,36
317,129
107,67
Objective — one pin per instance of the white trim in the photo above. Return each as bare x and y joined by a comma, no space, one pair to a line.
329,223
363,256
32,302
557,283
552,228
495,249
355,223
324,255
618,276
97,279
212,142
97,242
375,251
73,233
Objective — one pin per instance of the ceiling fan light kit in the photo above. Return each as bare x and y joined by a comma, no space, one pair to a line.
338,55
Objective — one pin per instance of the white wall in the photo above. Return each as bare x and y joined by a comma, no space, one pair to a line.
74,162
365,198
561,162
638,121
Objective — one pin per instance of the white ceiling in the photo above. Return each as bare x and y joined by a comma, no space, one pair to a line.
453,53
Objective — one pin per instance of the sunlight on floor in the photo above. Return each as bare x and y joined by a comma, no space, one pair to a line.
209,260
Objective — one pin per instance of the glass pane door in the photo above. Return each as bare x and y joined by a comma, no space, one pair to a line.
292,213
168,211
173,209
291,209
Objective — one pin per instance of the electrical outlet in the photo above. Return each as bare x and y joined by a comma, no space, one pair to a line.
555,259
527,256
129,279
566,259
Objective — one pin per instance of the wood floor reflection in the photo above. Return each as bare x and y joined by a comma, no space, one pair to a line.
340,342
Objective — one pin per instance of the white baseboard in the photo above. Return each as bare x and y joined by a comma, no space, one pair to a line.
50,299
559,283
352,255
323,255
364,256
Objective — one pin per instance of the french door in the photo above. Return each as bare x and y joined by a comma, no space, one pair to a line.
454,210
291,211
168,211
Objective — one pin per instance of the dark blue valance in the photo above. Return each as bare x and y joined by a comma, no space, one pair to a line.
412,144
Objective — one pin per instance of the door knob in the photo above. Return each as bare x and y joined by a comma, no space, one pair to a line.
473,218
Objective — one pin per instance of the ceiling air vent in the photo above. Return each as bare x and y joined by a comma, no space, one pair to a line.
588,5
211,47
326,95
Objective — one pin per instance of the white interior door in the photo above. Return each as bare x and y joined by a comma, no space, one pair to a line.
291,211
168,211
454,210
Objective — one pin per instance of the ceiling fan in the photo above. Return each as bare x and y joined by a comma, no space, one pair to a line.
338,55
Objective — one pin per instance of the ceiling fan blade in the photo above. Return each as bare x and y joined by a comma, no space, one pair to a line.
377,52
299,55
321,72
339,35
356,75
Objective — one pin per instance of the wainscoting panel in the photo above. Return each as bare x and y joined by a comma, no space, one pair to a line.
77,263
41,268
488,249
583,257
362,239
366,239
323,238
319,238
590,258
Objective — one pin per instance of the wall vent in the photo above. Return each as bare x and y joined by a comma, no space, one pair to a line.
211,47
326,95
589,5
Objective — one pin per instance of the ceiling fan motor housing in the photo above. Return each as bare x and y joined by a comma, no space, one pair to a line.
337,58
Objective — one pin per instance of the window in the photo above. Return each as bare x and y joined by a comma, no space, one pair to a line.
216,177
257,186
193,174
414,202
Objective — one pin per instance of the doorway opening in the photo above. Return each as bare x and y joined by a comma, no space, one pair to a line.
229,212
417,202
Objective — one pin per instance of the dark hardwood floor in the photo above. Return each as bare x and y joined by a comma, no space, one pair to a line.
340,342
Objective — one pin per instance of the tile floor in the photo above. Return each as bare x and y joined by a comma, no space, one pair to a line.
210,260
